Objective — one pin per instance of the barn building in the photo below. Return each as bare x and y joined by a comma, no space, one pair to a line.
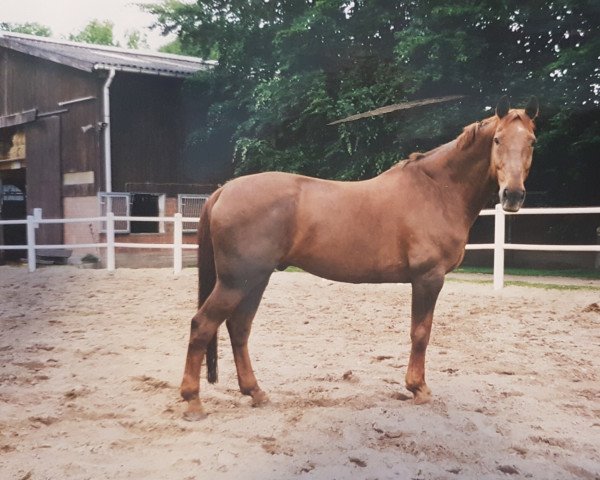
86,128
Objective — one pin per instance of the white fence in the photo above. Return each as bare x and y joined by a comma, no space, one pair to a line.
499,246
33,221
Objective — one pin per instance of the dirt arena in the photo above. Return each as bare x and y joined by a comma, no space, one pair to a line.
91,362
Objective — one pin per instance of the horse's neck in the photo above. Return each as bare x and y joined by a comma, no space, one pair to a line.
463,174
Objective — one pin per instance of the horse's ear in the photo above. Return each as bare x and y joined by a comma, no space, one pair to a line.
503,106
532,108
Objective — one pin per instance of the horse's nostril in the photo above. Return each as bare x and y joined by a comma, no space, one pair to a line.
513,196
519,195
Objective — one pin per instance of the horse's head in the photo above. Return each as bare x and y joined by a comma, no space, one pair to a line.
512,150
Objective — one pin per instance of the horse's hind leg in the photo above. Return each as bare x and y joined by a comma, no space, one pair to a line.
218,306
239,325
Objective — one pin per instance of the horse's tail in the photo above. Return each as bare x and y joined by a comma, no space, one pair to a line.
207,278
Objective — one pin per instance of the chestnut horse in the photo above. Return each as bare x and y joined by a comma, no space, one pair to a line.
408,225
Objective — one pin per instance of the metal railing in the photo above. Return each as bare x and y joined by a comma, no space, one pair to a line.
499,246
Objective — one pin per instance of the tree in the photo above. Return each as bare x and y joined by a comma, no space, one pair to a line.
98,32
173,47
288,67
136,40
30,28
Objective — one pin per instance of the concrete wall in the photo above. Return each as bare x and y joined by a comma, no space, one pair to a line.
88,232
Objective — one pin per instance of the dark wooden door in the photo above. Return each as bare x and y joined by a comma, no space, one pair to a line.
44,179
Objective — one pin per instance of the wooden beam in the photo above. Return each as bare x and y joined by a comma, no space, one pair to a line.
20,118
52,113
398,106
12,163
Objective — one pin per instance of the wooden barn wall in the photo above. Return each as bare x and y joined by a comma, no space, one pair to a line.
29,82
146,134
43,175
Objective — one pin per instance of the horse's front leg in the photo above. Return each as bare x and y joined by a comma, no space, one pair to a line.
425,290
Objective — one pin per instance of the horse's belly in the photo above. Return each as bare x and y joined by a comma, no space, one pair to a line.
352,265
358,275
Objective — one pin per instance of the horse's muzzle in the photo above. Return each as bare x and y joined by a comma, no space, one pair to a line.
512,200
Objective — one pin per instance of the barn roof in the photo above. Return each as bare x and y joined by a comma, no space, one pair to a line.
100,57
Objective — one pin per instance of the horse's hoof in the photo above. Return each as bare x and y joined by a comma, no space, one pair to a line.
422,396
194,416
260,399
195,412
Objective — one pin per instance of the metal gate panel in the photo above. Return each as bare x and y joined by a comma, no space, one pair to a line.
191,206
119,205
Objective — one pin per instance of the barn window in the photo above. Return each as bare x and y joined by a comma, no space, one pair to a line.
147,205
134,205
10,193
117,203
190,206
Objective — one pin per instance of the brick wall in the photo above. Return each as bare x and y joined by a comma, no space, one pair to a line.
167,229
90,232
134,257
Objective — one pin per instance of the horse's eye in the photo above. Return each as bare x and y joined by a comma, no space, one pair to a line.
496,140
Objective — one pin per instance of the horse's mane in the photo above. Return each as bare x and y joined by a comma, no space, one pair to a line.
469,133
467,137
416,156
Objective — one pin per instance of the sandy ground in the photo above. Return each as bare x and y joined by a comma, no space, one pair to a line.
90,363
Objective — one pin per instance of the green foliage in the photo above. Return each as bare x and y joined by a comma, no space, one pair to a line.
97,32
173,47
136,40
535,272
30,28
90,258
289,67
100,32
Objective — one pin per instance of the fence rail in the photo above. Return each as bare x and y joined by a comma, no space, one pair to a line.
499,246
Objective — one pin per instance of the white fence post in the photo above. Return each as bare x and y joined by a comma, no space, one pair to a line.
177,242
499,239
110,241
31,224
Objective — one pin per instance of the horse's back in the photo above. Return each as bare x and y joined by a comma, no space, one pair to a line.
256,198
273,219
